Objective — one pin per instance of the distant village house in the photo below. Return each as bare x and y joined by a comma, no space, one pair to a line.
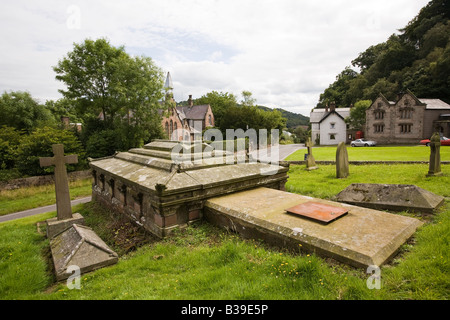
328,125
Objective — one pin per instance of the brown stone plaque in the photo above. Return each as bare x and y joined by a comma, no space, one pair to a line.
318,211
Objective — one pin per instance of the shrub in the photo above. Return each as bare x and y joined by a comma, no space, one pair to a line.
39,144
9,143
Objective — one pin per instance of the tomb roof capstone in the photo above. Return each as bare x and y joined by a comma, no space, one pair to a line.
396,197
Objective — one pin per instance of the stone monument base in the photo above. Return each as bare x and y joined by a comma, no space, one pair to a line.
55,226
80,247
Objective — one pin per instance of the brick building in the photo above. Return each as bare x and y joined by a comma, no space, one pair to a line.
183,122
407,120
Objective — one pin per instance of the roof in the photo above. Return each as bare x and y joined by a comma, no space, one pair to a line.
317,115
194,112
435,104
329,114
168,83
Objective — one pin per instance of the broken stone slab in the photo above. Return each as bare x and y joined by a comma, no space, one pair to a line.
361,238
395,197
79,246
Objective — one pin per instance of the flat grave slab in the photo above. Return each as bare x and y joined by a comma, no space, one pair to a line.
360,238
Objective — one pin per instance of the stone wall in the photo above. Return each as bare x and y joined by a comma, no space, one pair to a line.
41,180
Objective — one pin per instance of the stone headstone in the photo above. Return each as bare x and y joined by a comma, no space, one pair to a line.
64,217
435,156
310,161
81,247
395,197
342,170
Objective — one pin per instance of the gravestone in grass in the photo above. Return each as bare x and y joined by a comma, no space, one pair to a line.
310,161
435,156
342,170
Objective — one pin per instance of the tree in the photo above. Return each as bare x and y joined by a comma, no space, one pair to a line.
247,99
88,72
19,110
124,90
220,103
39,144
357,118
9,144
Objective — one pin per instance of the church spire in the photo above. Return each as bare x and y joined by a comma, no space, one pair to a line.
168,85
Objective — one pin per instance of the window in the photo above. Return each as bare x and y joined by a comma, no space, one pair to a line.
332,125
210,120
405,128
379,114
332,136
379,128
405,113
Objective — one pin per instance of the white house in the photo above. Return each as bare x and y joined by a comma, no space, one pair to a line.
328,127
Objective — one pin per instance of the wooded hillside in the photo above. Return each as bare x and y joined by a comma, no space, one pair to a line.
418,59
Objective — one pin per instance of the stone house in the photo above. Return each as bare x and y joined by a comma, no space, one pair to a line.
328,126
407,120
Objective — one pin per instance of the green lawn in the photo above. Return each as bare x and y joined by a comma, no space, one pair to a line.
203,262
33,197
391,153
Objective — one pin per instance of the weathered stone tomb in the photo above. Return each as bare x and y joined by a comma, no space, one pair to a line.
165,184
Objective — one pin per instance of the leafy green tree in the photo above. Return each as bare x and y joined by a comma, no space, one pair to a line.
9,144
104,80
62,108
39,144
357,118
247,99
19,110
220,103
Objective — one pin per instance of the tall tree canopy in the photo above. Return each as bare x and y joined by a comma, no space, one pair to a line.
417,59
19,110
103,79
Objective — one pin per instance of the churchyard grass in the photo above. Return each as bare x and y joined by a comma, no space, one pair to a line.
381,153
38,196
203,262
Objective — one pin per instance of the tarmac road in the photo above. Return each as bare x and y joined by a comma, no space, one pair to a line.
27,213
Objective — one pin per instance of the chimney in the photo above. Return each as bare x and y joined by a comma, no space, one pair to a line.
333,106
326,108
190,101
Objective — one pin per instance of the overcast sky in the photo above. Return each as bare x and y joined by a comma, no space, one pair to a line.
286,52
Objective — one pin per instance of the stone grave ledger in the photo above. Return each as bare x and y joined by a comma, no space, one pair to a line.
361,237
161,194
81,247
395,197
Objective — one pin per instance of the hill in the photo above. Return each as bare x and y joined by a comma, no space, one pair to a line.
293,119
418,59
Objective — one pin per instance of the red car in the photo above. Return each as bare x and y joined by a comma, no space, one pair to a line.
444,142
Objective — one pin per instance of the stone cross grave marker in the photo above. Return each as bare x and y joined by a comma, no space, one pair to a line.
310,161
435,156
63,207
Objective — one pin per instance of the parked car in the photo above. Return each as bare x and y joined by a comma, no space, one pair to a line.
444,142
363,143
